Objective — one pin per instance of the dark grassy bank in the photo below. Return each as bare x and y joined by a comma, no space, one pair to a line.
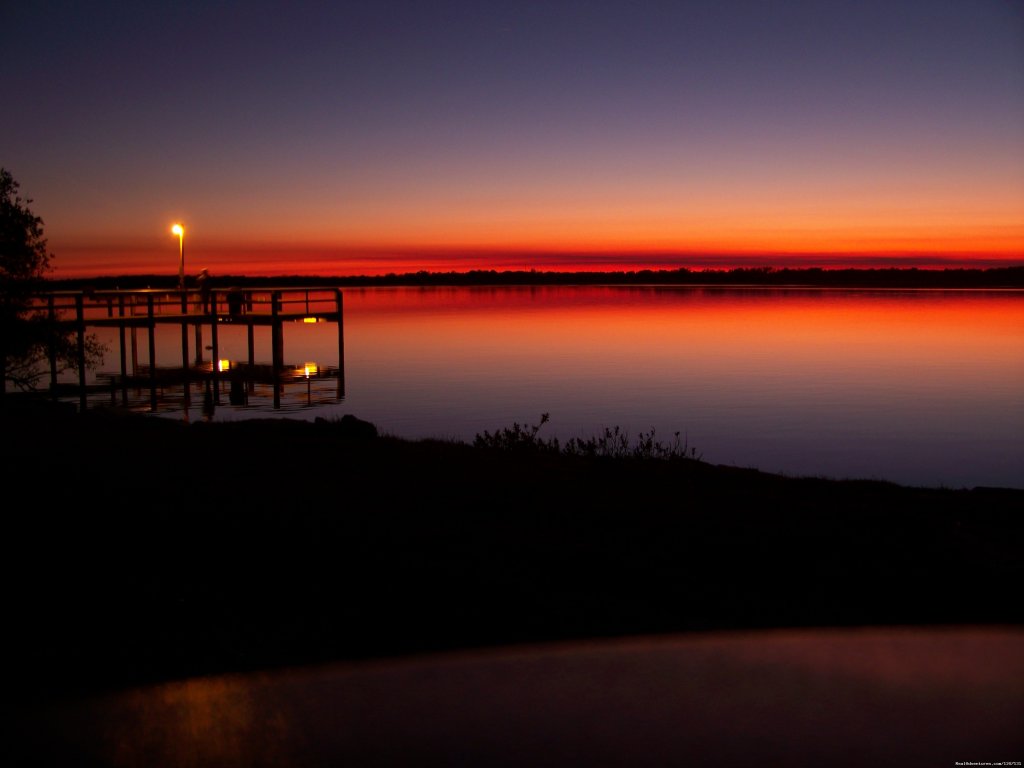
142,549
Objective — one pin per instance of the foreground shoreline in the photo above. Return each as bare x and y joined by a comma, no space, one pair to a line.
152,550
908,696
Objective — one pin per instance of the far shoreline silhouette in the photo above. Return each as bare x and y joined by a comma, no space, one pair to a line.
1011,276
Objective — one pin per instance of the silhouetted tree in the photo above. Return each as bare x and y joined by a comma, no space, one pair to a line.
27,335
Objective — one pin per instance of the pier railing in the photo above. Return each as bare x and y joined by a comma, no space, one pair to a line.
199,313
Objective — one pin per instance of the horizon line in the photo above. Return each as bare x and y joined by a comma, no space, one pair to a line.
328,265
762,271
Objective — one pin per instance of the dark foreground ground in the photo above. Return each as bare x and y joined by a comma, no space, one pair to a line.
828,697
143,550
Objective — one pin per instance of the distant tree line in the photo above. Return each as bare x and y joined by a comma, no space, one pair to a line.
995,277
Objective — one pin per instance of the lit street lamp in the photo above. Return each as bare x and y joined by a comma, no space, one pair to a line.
180,232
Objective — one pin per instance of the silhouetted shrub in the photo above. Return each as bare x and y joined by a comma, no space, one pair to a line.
613,443
518,438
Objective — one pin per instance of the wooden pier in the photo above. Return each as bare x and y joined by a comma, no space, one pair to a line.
201,313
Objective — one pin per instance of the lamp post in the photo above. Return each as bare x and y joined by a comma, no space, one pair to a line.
180,232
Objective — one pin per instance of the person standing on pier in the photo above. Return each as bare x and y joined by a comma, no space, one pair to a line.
203,281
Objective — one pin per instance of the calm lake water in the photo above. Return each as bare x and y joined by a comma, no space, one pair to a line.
919,387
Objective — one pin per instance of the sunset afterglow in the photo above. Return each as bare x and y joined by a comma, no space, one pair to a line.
365,139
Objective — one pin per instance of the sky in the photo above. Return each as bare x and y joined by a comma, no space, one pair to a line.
382,136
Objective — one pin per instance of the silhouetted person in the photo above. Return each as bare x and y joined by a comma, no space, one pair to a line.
203,281
235,303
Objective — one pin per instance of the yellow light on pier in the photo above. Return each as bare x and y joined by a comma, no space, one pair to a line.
311,319
310,369
223,365
179,230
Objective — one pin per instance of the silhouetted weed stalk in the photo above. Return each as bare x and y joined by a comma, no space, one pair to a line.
613,443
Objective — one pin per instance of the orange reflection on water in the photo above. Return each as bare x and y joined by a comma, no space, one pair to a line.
859,333
919,386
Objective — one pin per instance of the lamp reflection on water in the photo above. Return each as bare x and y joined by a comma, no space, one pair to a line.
310,369
223,365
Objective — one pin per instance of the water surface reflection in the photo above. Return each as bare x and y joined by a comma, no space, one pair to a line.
920,387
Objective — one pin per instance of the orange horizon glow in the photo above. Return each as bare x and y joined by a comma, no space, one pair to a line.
787,218
373,268
269,260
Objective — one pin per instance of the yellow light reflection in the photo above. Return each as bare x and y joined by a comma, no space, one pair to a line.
310,369
223,365
311,319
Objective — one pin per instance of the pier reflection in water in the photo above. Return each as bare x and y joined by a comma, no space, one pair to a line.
230,343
